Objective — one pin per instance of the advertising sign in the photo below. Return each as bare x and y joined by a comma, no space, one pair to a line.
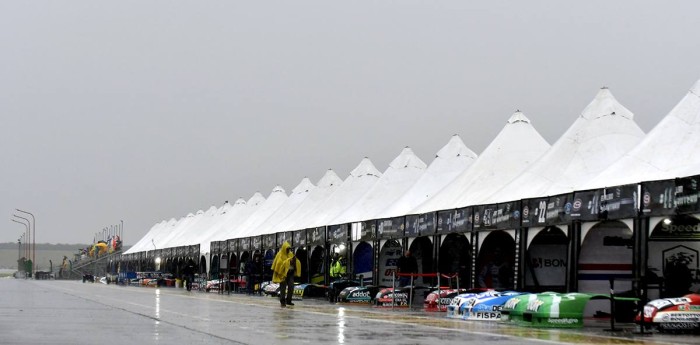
338,233
244,244
658,198
390,228
233,245
687,195
284,236
533,212
462,220
256,243
426,223
299,238
547,265
586,205
444,222
389,258
269,241
316,236
506,215
368,230
559,209
620,202
411,229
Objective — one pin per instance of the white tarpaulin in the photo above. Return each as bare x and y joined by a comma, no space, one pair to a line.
511,152
449,162
603,132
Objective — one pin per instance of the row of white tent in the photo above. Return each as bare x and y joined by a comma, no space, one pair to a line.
603,147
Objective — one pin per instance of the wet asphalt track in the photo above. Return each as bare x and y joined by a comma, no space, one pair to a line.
70,312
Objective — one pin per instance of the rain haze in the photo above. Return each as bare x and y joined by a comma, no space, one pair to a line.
143,111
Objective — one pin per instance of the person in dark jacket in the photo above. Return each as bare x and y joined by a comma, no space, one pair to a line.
252,272
407,264
188,273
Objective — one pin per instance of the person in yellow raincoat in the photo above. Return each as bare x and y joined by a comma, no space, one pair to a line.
285,267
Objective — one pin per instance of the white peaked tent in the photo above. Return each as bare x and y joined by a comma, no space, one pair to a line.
512,151
359,182
182,225
602,134
140,245
224,215
276,199
189,235
296,198
230,227
401,174
671,149
449,162
328,184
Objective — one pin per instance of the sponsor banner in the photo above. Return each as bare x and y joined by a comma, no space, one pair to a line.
256,243
359,295
497,216
677,228
559,209
411,229
426,223
484,315
269,241
687,193
444,222
215,247
244,244
546,265
674,316
620,202
233,245
479,216
585,205
658,198
388,260
316,236
390,228
284,236
506,215
368,230
299,238
533,212
337,233
462,220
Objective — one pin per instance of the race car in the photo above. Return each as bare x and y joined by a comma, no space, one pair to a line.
339,285
309,290
438,300
392,297
270,288
485,305
358,294
679,314
553,310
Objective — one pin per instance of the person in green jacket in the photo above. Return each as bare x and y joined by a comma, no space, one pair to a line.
338,267
285,267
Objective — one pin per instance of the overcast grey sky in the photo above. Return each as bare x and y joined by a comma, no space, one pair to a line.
149,110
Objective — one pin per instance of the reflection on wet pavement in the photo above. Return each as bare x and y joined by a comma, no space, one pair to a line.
168,316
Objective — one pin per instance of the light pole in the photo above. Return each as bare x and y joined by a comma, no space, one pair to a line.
33,237
25,226
29,236
121,229
19,252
